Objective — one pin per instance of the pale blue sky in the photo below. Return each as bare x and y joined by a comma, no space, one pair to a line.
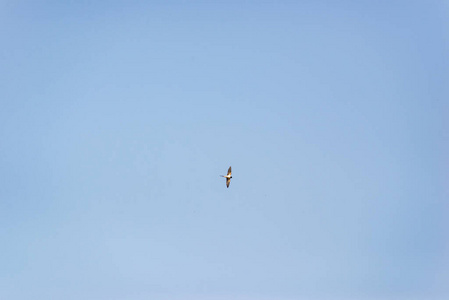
117,118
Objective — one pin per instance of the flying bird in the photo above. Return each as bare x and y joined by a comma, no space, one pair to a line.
228,177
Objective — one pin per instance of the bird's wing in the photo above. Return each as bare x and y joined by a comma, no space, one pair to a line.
227,182
229,171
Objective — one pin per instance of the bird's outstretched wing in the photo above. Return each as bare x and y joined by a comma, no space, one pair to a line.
229,171
228,181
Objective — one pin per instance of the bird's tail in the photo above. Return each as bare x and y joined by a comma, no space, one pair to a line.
222,176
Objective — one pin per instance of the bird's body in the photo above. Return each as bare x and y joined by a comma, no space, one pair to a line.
228,177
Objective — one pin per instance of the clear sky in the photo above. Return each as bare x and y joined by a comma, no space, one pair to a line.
117,118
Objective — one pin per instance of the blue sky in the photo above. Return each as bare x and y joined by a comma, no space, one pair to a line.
117,118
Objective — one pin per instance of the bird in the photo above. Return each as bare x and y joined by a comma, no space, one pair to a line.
228,177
